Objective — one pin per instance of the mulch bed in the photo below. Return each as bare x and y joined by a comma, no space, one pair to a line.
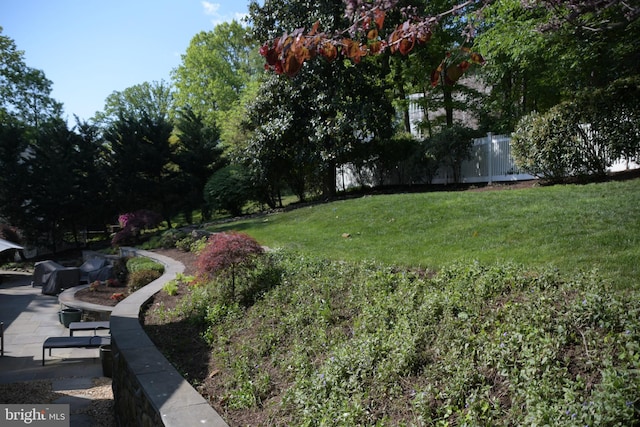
102,294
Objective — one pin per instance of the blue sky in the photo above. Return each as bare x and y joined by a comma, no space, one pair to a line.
91,48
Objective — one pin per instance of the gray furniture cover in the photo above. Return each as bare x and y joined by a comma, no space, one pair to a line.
96,269
54,277
42,271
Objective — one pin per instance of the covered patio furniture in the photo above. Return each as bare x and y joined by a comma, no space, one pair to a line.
42,272
54,277
96,269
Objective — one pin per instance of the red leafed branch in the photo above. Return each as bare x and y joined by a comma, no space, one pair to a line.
287,53
449,71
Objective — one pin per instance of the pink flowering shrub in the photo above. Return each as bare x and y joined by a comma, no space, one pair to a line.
140,219
132,224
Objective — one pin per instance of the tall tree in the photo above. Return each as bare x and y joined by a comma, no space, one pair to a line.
56,200
14,143
24,91
154,100
278,154
138,127
96,208
198,154
540,53
216,68
140,174
340,107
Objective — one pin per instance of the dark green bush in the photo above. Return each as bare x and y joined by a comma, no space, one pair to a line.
546,145
171,237
583,136
191,243
229,189
450,147
140,278
142,263
614,115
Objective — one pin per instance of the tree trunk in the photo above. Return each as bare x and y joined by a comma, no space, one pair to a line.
329,181
448,104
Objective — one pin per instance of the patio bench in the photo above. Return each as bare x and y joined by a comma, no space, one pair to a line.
88,326
74,342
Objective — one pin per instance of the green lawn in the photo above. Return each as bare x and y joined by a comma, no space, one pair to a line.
571,227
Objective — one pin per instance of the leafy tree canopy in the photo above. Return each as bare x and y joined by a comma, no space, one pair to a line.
142,101
25,92
215,70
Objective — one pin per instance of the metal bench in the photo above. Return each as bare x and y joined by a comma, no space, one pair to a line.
74,342
88,326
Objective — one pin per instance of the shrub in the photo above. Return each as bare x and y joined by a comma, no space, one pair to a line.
450,147
198,245
184,244
142,263
140,278
132,225
171,237
120,271
191,244
171,288
555,145
140,219
581,137
124,237
228,256
229,189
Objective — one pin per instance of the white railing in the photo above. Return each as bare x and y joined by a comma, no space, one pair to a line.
491,160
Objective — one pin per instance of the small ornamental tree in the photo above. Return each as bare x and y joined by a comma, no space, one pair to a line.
227,255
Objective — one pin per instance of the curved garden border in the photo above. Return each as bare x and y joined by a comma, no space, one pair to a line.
93,311
147,389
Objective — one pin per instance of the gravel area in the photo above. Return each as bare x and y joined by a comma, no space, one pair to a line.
41,392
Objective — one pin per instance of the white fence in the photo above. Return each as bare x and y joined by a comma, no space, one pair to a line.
491,160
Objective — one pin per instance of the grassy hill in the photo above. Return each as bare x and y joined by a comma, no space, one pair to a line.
529,315
571,227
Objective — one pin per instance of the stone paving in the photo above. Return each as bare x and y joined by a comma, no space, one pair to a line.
29,318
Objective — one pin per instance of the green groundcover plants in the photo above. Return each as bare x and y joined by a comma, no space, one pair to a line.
338,343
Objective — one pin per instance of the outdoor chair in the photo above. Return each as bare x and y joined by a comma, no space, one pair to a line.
95,269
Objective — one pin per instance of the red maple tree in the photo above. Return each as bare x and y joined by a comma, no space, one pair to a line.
225,254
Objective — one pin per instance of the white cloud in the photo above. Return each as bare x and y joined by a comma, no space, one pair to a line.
213,10
210,8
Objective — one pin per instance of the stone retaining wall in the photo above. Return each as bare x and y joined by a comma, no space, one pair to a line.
90,312
147,389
